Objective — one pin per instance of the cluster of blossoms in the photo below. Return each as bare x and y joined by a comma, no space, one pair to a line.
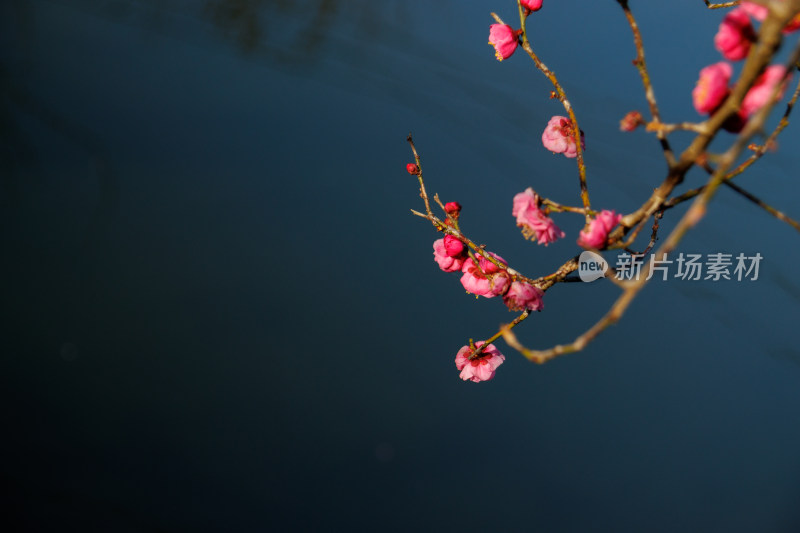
734,40
482,277
490,278
487,274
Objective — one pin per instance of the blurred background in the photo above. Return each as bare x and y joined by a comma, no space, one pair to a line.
219,314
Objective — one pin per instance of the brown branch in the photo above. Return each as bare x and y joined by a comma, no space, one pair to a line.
562,97
649,93
762,52
724,4
525,314
422,192
554,206
653,236
765,49
454,230
758,152
766,207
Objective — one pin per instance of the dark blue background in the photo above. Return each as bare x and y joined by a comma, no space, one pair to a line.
219,315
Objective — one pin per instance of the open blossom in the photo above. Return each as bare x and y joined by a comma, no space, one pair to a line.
712,87
760,92
735,35
534,223
483,367
599,228
447,262
504,39
485,278
558,137
533,5
521,296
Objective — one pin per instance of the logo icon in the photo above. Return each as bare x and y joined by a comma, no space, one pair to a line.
591,266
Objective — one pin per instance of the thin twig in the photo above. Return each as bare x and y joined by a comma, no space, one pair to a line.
525,314
653,236
723,4
649,93
555,206
766,207
562,97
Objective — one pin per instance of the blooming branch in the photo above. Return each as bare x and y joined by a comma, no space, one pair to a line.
741,108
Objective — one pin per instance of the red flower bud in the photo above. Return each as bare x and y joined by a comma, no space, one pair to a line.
412,168
631,121
452,246
452,208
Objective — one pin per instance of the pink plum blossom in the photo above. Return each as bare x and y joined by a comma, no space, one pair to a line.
534,223
558,137
599,228
483,367
446,262
521,296
712,87
533,5
761,91
485,278
735,35
504,39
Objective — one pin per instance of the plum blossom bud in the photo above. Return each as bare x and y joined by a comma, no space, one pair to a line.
631,121
521,296
712,87
446,262
483,367
735,35
452,209
759,94
504,39
485,278
597,233
534,223
533,5
412,168
452,246
558,137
